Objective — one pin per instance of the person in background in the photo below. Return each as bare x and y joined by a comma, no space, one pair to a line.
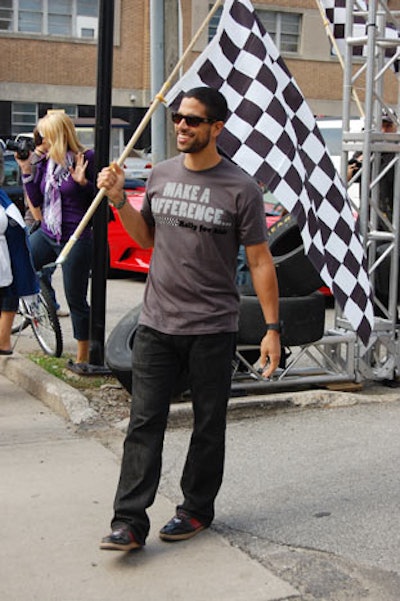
5,260
386,194
198,208
389,126
33,215
385,203
62,186
21,278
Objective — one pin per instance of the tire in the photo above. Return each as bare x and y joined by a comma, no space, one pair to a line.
118,351
284,235
45,323
303,320
296,274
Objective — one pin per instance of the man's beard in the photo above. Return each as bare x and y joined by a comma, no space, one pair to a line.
195,146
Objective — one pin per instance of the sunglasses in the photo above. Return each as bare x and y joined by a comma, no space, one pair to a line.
191,120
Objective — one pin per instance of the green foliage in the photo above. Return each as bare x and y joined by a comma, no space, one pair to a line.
57,366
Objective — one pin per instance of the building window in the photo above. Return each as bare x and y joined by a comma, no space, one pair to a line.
283,27
87,32
213,24
30,16
6,15
59,17
88,8
23,117
67,18
70,109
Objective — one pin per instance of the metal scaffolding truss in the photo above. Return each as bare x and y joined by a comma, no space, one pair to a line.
340,356
381,234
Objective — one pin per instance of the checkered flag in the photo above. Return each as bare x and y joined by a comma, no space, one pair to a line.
272,134
335,11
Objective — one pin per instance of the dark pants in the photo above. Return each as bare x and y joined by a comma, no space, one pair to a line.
76,270
158,359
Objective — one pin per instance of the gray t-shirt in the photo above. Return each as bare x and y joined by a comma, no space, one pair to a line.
200,218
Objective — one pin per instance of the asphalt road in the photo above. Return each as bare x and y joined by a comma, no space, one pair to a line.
312,494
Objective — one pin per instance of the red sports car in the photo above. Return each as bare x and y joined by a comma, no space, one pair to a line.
124,253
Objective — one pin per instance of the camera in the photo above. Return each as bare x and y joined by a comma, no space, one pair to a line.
23,147
355,163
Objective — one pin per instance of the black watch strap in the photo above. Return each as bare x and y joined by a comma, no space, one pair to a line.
273,326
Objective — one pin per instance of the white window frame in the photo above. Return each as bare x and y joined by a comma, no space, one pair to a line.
276,35
279,33
44,30
19,126
11,20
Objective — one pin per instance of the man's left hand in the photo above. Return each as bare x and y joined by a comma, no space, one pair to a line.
270,353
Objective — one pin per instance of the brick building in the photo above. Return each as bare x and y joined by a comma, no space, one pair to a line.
49,59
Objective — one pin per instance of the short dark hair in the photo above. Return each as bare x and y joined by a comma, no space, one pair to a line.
213,100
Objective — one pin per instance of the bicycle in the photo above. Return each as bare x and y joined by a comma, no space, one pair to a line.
39,312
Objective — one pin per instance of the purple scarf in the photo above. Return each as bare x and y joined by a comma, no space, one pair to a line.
52,205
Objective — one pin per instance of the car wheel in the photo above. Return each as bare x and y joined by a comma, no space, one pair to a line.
118,351
296,274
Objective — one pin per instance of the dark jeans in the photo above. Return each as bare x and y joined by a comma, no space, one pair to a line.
76,270
158,359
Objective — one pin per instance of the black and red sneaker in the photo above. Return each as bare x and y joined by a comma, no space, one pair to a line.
120,539
181,527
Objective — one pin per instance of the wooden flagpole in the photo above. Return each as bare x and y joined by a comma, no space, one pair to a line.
159,98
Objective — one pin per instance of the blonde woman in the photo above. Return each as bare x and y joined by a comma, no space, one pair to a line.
62,186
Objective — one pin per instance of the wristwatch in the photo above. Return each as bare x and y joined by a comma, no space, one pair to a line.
120,204
273,326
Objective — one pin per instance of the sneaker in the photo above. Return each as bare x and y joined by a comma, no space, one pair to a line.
120,539
62,313
181,527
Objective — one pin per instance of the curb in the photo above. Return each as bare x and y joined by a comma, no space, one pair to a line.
53,392
71,404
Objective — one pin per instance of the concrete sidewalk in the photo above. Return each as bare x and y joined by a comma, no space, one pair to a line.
58,486
57,493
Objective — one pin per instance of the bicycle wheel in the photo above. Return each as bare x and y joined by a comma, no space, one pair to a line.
21,321
45,323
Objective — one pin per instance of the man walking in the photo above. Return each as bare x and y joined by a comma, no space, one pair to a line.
197,210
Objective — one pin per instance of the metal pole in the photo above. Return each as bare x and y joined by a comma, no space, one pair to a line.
102,158
157,78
